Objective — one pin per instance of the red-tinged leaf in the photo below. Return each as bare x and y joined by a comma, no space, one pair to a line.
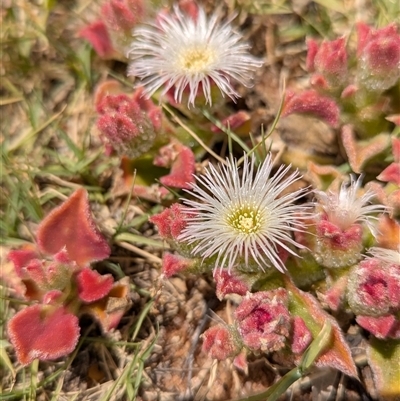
182,170
382,327
108,311
304,305
21,258
324,177
44,333
360,152
221,342
388,233
395,119
391,174
384,360
311,102
228,283
71,226
93,286
170,222
174,264
97,34
301,336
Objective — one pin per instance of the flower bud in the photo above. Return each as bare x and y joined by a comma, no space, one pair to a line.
264,322
221,343
379,57
374,284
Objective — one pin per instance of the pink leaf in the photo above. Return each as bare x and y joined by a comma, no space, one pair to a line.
301,336
359,153
220,343
109,310
338,355
182,170
92,286
97,34
228,283
381,327
21,258
173,264
170,222
40,332
71,226
311,102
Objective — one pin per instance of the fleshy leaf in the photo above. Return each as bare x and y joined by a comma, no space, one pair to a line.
98,36
359,153
93,286
182,161
21,258
384,360
44,333
311,102
71,225
228,283
338,354
174,264
109,310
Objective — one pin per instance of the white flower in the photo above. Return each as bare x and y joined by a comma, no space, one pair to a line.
182,52
387,256
346,207
242,218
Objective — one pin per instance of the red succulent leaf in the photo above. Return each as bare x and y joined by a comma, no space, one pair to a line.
329,60
391,174
359,153
44,333
53,297
71,226
301,336
93,286
118,16
228,283
304,305
381,327
312,50
240,361
183,165
173,264
97,34
109,310
336,294
388,232
239,122
220,343
21,258
311,102
170,222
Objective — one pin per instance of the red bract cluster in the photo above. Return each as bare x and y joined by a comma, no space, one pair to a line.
374,294
128,124
262,323
57,275
348,86
379,54
329,62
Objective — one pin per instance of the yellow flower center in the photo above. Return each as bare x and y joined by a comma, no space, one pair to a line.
196,59
245,219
